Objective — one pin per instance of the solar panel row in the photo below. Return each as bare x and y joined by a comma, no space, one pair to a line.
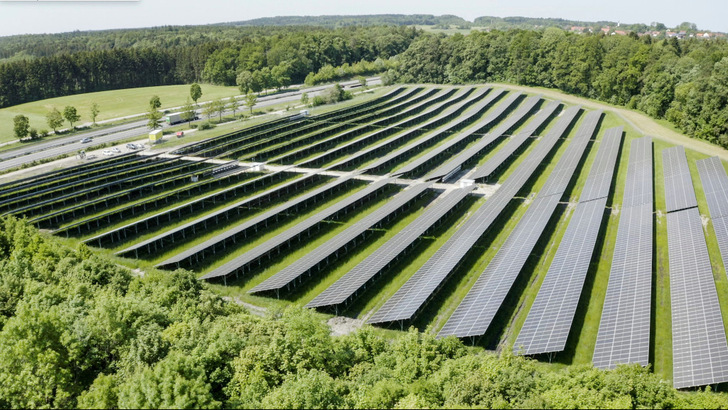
549,320
200,224
379,134
357,279
243,262
451,166
475,313
715,186
624,329
699,349
319,257
503,154
599,181
415,167
451,117
559,178
469,115
679,192
409,299
241,231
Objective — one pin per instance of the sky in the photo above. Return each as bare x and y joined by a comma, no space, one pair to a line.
53,16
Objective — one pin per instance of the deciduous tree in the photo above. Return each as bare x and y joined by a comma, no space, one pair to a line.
21,123
71,115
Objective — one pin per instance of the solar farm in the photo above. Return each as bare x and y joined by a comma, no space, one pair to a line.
502,218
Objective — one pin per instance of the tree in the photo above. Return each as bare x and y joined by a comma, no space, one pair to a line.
245,81
195,92
209,111
304,98
54,119
21,124
250,101
218,107
155,102
233,105
153,117
362,81
188,111
94,111
71,115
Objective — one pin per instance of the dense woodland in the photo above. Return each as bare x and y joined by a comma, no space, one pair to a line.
74,63
77,330
684,81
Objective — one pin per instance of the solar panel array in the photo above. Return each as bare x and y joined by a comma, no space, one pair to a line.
407,301
515,142
456,163
199,251
212,218
549,320
490,118
287,277
242,262
624,329
699,349
715,186
679,192
357,278
451,117
472,112
476,311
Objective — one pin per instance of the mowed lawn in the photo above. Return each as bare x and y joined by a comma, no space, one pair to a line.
112,104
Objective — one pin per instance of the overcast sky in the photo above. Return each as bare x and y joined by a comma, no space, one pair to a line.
21,17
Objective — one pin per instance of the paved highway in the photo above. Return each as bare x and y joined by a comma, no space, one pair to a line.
68,145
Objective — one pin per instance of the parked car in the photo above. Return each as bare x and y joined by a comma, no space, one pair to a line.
116,150
131,146
108,152
86,140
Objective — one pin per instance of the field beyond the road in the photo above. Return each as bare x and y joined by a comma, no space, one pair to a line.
112,104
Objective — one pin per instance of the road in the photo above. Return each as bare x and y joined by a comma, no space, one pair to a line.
71,144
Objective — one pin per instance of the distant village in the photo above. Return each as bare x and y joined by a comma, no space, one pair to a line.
615,31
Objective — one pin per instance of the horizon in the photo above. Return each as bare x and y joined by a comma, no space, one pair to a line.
55,17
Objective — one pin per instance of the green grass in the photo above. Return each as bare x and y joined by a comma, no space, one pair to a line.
112,104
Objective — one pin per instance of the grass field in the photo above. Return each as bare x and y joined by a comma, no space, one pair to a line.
112,104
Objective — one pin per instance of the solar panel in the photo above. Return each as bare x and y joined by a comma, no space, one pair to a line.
549,320
356,279
600,177
467,117
243,262
490,118
456,163
715,185
199,251
700,352
559,179
451,116
638,186
201,223
476,312
409,299
624,329
319,257
500,157
679,193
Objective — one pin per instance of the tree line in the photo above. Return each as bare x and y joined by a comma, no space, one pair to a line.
77,330
685,82
277,56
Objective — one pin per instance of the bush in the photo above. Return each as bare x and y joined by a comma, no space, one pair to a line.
206,126
317,100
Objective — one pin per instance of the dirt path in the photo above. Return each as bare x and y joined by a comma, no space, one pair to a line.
641,122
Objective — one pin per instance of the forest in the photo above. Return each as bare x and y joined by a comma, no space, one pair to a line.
77,330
